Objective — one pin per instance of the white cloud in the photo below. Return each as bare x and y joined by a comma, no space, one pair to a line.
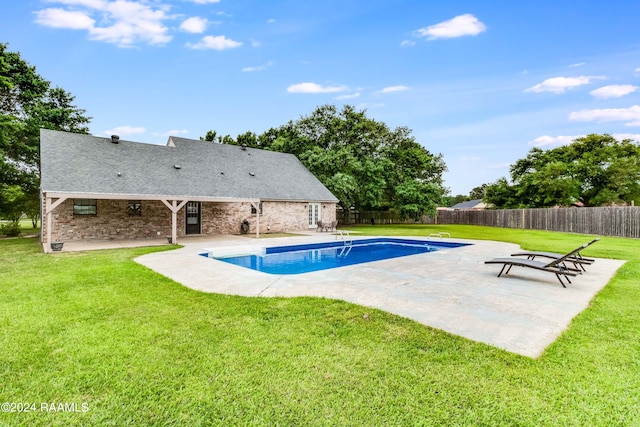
637,70
561,84
61,18
613,91
314,88
348,96
391,89
629,115
215,42
631,136
407,43
93,4
463,25
120,22
133,22
579,64
259,67
204,1
545,140
271,21
195,25
125,130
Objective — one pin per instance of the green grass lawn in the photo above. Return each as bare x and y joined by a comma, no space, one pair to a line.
27,226
136,348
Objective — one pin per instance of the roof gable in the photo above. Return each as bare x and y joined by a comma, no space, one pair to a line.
75,163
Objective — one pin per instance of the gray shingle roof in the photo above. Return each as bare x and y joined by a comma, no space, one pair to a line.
74,163
469,204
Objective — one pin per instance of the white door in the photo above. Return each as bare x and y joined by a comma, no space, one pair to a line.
314,214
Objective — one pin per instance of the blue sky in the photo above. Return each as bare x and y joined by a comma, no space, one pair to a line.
480,82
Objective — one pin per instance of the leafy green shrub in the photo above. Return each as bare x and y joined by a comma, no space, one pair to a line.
10,229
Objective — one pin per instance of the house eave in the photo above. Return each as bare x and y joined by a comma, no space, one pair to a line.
133,196
300,200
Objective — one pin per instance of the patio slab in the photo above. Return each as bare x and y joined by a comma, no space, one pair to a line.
450,289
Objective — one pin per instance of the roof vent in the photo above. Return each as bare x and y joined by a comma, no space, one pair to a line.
176,166
115,139
252,174
244,146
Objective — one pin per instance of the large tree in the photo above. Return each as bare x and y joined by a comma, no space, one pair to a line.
365,164
28,103
594,170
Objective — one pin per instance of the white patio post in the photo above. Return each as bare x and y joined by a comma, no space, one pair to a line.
49,206
174,222
256,205
174,207
47,244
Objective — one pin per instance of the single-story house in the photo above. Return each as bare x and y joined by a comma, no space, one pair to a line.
108,188
475,204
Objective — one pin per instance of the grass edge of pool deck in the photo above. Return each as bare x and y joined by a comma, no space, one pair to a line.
452,290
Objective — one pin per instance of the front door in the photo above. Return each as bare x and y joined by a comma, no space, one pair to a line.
193,218
314,214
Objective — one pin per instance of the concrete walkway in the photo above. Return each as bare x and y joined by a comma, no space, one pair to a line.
451,289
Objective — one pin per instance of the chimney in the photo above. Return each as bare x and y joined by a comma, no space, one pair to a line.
115,139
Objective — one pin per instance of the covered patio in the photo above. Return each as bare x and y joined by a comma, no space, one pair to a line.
174,203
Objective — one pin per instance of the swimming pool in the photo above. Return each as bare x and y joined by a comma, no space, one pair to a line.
296,259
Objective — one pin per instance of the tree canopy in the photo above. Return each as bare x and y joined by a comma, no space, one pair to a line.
365,164
594,170
28,102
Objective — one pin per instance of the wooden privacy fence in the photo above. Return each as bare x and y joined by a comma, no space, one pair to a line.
622,221
380,217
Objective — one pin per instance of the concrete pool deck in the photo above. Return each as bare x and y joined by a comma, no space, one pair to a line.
450,289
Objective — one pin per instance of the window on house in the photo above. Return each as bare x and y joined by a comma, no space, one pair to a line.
85,206
134,207
253,209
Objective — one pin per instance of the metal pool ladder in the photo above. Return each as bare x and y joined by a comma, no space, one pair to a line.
345,236
440,234
344,251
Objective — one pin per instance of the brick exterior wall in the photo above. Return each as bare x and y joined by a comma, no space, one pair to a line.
278,217
113,220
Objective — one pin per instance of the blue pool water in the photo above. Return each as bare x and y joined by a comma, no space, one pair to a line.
297,259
